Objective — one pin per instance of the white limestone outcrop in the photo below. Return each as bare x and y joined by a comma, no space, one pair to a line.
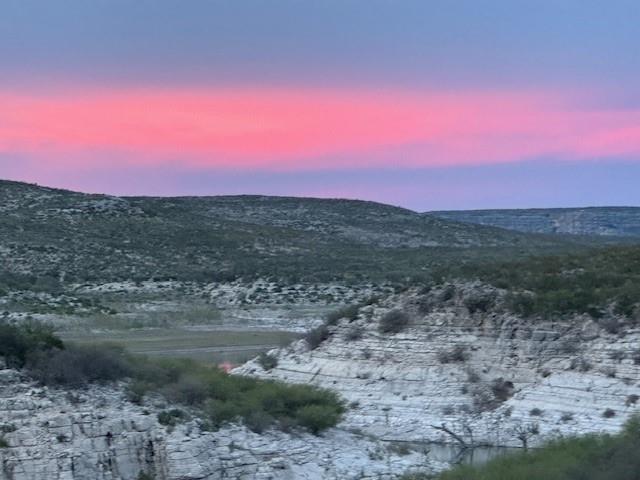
97,434
512,380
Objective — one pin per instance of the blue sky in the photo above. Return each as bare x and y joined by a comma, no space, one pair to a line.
442,83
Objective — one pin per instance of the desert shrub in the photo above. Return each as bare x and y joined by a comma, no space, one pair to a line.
8,428
354,333
424,304
349,312
536,412
393,321
521,303
17,343
580,364
316,418
479,302
447,293
610,325
188,389
456,354
566,417
502,389
316,336
472,376
609,413
3,443
267,361
259,421
632,399
171,417
77,366
136,390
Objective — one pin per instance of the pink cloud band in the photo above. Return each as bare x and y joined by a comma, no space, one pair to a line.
307,128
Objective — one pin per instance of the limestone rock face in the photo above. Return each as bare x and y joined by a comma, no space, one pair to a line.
97,434
487,376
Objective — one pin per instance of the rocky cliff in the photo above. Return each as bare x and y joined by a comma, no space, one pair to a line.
607,221
448,365
97,434
465,371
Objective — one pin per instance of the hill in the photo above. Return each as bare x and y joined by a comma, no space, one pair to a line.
604,221
49,235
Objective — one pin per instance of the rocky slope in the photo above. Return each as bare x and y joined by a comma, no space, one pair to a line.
97,434
49,236
486,377
605,221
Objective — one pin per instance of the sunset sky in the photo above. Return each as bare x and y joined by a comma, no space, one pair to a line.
426,104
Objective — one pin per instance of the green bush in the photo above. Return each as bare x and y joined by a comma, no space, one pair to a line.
77,366
350,312
317,417
19,343
393,321
171,417
267,361
456,354
316,336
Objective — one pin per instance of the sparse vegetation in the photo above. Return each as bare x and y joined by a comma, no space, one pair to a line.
456,354
221,397
393,321
316,336
268,361
171,417
349,312
502,389
593,283
566,417
354,333
479,302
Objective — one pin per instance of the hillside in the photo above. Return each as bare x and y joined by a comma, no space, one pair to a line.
62,235
605,221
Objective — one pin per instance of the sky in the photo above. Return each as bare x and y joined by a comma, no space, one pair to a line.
427,104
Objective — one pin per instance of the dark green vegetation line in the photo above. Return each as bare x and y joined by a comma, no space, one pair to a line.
597,282
592,457
212,393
